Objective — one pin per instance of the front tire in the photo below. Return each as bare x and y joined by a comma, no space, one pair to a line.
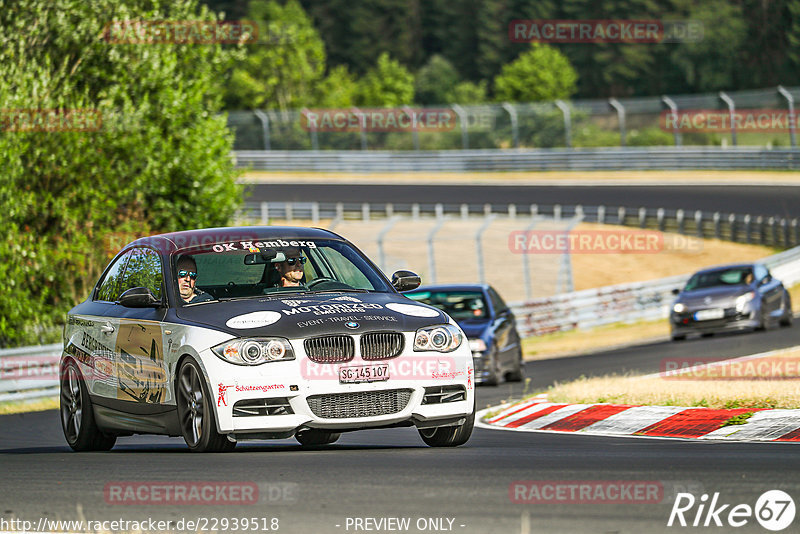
450,436
77,414
196,412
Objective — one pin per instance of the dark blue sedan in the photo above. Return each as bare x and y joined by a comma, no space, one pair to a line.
488,323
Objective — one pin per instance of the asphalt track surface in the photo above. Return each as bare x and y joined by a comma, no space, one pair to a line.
781,201
390,473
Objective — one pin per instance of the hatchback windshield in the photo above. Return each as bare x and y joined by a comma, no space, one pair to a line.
456,304
275,267
726,277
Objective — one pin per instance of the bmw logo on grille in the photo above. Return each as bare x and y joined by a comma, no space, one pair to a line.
352,325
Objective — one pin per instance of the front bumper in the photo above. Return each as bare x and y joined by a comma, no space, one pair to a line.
733,320
424,389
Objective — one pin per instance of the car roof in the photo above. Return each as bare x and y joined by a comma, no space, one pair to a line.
728,266
172,241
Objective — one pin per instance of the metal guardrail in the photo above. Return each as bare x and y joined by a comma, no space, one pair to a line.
623,303
29,372
554,159
775,231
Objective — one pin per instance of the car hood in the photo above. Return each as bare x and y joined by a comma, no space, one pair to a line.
473,329
304,315
718,295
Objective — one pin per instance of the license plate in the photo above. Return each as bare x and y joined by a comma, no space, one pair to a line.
363,373
707,315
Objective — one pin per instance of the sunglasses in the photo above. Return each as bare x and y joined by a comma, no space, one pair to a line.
183,273
292,261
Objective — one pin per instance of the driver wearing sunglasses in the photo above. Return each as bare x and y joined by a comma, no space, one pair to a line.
291,270
187,277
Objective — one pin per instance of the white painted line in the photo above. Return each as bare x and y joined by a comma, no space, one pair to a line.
633,419
762,426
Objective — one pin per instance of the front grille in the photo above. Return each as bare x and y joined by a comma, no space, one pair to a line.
362,404
381,345
260,407
330,349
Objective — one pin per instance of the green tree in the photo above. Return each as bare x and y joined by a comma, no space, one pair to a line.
468,93
542,73
337,90
282,70
159,161
435,81
387,84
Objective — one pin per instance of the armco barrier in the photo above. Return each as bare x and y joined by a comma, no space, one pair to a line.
623,303
543,159
29,372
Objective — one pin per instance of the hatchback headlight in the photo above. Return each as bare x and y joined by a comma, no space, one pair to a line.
679,307
255,351
741,300
442,338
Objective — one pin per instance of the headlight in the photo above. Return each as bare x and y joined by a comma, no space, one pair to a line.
477,345
741,300
255,351
679,307
442,338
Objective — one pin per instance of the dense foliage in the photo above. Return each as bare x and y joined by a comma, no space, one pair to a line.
154,158
746,43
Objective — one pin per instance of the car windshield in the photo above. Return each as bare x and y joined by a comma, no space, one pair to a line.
722,277
457,304
276,267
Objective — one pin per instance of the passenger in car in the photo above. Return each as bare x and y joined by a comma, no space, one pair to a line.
187,278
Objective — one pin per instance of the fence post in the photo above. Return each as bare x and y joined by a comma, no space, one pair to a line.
512,211
717,231
479,247
679,218
792,123
264,213
415,212
579,212
315,212
312,129
264,127
362,125
534,210
785,232
462,119
614,103
557,212
773,231
760,232
674,109
642,217
381,235
526,261
438,209
601,214
567,122
621,216
414,129
512,113
747,228
487,209
339,211
464,211
660,219
698,221
364,212
732,224
289,212
732,110
389,210
431,257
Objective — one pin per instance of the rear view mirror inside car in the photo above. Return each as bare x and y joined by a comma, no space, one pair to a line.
267,256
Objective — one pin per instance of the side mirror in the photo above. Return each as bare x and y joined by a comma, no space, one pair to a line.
139,297
676,291
405,280
766,280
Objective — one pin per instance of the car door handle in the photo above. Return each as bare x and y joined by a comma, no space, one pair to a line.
107,328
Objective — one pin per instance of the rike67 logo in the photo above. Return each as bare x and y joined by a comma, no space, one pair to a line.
774,510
